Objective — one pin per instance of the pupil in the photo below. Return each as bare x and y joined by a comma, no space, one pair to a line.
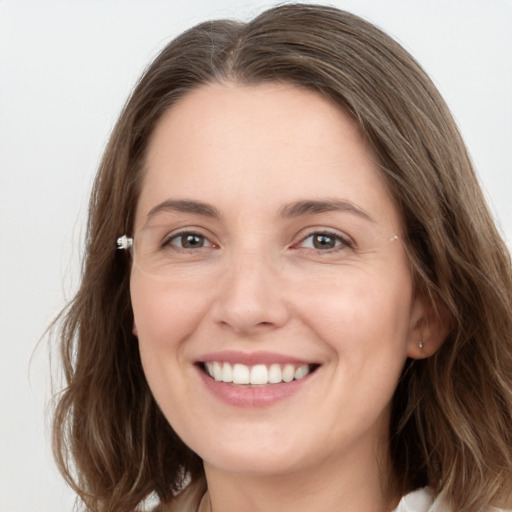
323,242
191,241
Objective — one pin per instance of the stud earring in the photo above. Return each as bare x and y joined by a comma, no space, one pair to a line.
421,344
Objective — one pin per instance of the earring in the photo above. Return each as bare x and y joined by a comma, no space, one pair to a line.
421,344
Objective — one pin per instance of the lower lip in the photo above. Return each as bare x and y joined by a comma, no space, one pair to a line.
252,396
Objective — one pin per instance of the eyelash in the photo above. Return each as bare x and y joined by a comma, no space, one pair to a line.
168,241
341,242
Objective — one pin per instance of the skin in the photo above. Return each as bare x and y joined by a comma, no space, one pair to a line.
257,283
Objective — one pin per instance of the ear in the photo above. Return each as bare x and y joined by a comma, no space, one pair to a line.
429,327
134,330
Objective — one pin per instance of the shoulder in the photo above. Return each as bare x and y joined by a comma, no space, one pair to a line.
423,500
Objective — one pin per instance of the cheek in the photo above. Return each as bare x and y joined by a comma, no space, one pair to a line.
164,313
366,328
360,314
165,317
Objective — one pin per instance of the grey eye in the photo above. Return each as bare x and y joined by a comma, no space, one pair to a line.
322,241
189,241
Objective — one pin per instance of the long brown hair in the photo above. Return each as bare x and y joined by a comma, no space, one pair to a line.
452,412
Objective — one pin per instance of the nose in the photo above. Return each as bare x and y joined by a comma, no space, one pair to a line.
251,296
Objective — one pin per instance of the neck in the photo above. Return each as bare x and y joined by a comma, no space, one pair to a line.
357,486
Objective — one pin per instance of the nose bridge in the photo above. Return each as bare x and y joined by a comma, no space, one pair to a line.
251,295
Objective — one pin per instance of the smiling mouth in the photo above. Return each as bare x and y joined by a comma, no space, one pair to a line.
256,375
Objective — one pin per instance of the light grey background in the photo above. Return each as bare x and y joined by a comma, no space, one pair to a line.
66,68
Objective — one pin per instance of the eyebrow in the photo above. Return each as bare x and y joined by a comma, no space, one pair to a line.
309,207
292,210
185,206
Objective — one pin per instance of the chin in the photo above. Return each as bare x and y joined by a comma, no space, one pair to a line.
253,463
247,451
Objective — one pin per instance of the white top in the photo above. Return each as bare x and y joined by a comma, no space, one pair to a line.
417,501
421,500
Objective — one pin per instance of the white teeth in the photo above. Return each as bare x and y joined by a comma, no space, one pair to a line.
209,369
301,371
288,372
258,375
241,373
275,376
227,373
217,371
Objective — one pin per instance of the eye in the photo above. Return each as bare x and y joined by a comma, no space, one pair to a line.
188,240
324,241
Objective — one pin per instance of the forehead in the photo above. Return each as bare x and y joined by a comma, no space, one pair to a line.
263,118
265,144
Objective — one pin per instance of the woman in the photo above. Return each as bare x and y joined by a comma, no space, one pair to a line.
311,307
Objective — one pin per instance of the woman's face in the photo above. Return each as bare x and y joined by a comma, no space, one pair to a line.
268,249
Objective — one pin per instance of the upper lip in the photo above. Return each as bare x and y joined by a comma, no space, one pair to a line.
251,358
